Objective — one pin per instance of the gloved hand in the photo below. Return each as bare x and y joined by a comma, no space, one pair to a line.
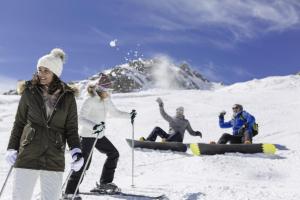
98,125
11,156
160,102
242,129
133,115
78,159
222,114
199,133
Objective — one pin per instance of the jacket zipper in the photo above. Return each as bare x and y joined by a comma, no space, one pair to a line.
54,109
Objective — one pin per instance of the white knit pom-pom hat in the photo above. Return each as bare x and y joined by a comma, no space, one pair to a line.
53,61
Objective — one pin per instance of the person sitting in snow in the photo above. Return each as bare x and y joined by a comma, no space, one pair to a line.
177,126
241,123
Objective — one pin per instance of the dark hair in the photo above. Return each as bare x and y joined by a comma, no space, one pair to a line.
54,85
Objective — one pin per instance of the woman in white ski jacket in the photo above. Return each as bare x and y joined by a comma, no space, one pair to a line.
93,111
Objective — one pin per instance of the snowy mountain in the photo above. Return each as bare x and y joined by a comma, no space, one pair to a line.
138,75
274,101
7,85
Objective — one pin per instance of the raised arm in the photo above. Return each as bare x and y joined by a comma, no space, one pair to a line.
162,110
223,124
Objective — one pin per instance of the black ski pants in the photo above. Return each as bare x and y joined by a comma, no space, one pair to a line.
103,145
157,131
235,139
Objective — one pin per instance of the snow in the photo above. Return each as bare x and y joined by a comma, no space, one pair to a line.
275,102
113,43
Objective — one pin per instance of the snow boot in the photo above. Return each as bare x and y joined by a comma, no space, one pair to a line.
106,188
247,142
70,196
142,139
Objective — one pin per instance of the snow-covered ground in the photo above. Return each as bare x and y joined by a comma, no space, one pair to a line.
275,102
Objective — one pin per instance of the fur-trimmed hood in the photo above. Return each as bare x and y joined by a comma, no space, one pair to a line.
22,85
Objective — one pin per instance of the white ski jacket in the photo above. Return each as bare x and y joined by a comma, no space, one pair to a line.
94,111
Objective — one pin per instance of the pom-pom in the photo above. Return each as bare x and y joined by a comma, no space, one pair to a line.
59,53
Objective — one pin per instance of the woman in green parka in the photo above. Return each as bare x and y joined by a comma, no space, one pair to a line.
46,120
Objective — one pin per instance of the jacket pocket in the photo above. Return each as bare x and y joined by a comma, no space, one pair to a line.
28,135
59,142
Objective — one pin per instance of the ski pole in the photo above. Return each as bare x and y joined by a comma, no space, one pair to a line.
6,179
102,127
66,181
133,112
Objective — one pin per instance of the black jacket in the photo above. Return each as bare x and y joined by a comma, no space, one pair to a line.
40,141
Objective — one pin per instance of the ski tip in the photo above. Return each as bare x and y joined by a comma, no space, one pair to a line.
195,149
269,148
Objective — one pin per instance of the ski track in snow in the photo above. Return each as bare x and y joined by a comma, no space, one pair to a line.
275,102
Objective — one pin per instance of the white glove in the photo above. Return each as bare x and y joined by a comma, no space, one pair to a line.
11,156
78,159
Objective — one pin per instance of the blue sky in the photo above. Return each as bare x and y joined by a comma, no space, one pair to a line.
226,40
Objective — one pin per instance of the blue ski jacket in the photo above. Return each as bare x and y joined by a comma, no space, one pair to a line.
242,118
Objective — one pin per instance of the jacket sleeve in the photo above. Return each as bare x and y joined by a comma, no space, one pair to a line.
83,115
164,114
20,122
190,130
114,112
249,120
71,125
223,124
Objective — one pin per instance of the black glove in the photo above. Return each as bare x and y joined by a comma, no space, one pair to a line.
98,125
198,133
133,115
222,114
160,102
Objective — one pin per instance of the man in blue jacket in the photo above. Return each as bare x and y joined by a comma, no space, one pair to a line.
241,124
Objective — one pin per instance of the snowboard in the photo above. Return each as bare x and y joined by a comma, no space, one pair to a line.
173,146
212,149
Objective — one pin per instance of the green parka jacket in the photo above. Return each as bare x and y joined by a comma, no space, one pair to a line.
41,141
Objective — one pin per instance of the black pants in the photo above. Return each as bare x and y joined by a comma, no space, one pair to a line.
235,139
157,131
103,145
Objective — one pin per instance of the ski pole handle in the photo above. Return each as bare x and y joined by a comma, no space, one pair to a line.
133,114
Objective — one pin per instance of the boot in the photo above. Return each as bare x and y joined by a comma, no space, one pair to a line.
106,188
142,139
70,196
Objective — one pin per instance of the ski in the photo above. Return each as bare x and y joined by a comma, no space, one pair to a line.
122,194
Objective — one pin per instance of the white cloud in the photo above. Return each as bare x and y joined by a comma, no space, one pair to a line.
103,35
243,19
210,71
219,73
7,84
